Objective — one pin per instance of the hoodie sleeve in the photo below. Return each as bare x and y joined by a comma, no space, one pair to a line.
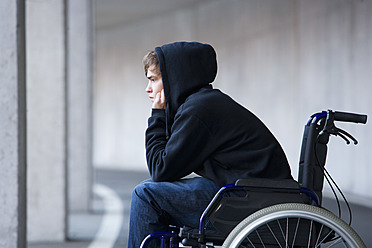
187,148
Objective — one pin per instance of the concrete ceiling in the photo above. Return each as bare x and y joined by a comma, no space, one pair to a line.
112,13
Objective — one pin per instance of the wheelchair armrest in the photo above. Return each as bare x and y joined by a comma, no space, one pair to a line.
268,183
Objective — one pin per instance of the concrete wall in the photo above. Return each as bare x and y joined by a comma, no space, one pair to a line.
46,104
57,37
12,124
79,99
282,59
59,93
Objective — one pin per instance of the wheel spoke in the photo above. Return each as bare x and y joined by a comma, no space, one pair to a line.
295,234
317,240
281,229
249,240
260,239
338,241
277,241
286,234
325,238
310,232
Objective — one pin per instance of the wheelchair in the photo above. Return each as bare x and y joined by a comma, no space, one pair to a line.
277,213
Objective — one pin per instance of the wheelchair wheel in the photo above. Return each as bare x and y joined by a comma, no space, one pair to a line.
293,225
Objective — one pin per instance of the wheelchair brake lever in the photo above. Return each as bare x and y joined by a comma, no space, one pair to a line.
344,138
343,134
331,129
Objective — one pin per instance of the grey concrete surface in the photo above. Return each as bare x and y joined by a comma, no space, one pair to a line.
59,122
79,100
12,124
83,226
46,120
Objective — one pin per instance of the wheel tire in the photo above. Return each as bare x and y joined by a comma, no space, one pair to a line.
284,219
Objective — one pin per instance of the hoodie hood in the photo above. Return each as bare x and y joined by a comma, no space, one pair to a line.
185,67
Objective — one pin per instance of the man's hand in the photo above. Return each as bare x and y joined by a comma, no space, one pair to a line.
159,101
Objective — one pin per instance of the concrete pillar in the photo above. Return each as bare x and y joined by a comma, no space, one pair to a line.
12,125
47,122
79,71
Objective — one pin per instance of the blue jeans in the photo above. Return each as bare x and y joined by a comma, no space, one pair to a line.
156,205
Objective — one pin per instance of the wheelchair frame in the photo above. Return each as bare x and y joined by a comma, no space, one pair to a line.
311,175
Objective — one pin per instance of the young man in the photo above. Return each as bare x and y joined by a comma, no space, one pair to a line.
195,128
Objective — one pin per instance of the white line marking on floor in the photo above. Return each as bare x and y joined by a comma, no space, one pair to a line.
112,219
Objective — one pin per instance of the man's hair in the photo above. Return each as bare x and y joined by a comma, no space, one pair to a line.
151,59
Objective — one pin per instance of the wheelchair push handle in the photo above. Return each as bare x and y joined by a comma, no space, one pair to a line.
330,128
350,117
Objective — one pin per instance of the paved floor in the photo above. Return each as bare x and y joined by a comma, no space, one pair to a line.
83,227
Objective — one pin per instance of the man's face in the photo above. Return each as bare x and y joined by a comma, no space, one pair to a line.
155,84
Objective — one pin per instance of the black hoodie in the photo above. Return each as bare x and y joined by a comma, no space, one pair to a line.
203,130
